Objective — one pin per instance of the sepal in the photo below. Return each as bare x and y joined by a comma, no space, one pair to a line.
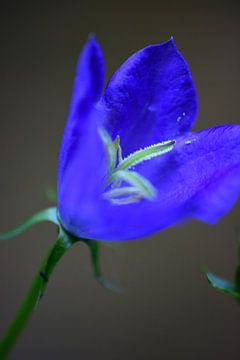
49,214
94,248
64,241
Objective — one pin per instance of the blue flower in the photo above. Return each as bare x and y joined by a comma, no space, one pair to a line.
129,165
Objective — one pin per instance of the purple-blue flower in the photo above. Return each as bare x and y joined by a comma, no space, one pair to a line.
129,165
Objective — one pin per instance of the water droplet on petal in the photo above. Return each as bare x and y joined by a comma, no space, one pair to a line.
179,118
188,142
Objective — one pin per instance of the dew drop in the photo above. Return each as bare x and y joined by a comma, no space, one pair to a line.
188,142
179,118
183,114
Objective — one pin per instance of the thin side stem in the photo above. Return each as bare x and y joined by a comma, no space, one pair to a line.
32,297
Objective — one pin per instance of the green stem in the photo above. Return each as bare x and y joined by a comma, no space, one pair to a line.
33,295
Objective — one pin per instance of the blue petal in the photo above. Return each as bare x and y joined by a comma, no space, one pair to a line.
81,155
199,179
201,175
86,92
151,98
80,191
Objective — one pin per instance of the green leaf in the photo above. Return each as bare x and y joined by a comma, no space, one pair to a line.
223,285
49,214
94,247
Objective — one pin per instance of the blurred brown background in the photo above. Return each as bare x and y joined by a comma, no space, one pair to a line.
168,310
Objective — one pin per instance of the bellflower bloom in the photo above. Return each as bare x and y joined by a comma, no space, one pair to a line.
129,165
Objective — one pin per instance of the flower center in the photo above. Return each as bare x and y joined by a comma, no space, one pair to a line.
123,184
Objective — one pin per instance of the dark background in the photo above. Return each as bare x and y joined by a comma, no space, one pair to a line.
168,310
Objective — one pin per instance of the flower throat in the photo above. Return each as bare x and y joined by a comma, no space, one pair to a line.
123,184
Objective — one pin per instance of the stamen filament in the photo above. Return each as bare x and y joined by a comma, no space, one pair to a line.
110,147
120,192
144,187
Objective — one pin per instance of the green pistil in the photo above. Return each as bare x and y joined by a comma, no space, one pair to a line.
119,170
147,153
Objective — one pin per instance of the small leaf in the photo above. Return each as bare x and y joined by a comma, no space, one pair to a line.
223,285
49,214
